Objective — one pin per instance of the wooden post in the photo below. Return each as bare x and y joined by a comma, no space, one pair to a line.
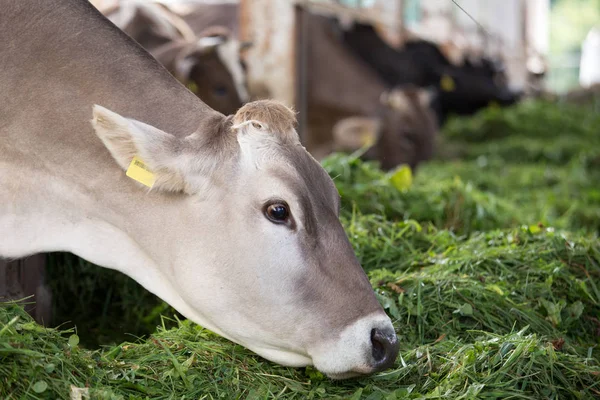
301,86
271,26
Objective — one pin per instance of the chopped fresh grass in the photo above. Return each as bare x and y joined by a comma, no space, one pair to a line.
501,313
468,196
532,119
489,266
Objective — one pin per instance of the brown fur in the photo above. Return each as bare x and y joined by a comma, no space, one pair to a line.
216,30
276,117
73,196
409,130
169,39
340,86
206,75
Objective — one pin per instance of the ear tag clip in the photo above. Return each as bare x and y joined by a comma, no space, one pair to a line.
447,84
139,171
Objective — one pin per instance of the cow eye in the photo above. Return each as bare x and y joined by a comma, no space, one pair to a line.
220,91
277,213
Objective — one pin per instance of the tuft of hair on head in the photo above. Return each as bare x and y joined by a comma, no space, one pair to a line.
269,116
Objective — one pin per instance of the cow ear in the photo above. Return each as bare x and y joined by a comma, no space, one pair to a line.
426,96
183,67
190,56
354,133
148,154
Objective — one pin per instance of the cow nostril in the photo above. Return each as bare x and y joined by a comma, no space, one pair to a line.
385,348
378,346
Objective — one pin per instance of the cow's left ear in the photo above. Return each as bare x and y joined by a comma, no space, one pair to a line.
157,162
353,133
191,54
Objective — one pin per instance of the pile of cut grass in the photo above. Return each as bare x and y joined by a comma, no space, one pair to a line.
497,314
469,196
534,120
488,265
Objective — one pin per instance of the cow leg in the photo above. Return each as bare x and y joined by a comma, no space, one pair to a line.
27,277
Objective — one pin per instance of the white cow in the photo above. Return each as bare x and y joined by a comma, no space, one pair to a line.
239,229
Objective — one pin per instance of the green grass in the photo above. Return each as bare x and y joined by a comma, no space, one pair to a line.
506,312
488,265
467,196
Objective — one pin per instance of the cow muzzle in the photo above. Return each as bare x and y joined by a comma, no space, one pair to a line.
367,346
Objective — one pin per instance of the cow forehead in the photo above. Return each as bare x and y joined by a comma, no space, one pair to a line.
299,173
308,179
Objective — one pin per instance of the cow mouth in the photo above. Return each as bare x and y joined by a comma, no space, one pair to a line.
347,375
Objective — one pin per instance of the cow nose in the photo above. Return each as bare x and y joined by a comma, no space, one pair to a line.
385,348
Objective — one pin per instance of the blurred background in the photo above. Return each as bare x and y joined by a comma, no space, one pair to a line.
358,70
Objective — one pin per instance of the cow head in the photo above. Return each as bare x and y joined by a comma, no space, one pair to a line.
256,251
210,67
405,133
207,62
467,88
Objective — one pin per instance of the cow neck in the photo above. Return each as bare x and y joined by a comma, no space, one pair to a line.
59,174
347,84
81,54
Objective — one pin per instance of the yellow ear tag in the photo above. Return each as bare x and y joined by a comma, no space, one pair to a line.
139,171
447,84
401,177
367,140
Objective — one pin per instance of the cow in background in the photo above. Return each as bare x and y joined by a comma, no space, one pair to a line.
405,127
413,142
463,89
398,122
204,57
466,89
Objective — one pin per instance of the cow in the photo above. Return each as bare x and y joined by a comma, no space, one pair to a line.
340,85
462,89
416,129
206,57
106,155
466,89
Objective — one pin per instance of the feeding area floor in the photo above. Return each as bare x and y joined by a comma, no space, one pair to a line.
487,261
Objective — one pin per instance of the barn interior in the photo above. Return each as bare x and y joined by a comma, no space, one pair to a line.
464,139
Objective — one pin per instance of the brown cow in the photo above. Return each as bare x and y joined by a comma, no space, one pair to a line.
339,85
204,57
414,141
226,218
